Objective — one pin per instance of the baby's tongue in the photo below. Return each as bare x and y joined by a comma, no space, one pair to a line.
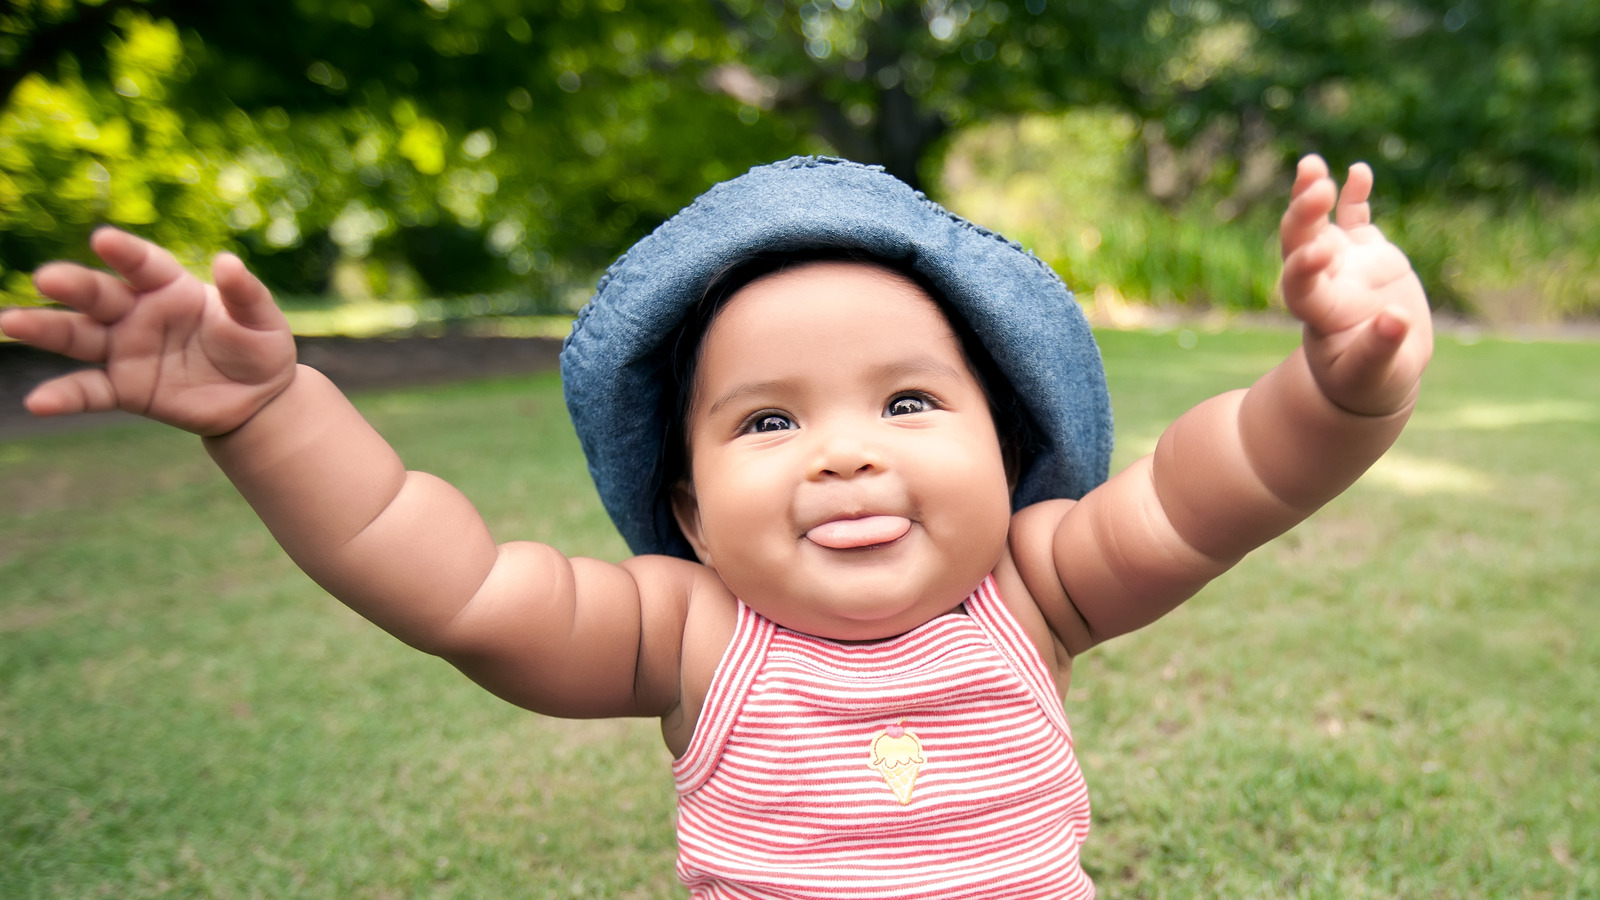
845,534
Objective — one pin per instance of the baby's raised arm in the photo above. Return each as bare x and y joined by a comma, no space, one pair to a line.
404,549
1243,467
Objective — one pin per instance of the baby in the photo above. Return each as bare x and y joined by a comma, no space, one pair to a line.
859,445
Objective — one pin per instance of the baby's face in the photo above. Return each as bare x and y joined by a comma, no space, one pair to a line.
847,480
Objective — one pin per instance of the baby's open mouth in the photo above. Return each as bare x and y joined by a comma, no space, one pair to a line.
851,534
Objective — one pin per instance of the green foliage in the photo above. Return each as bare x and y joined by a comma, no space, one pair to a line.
410,148
1532,259
888,81
551,134
1463,97
1065,186
75,153
1440,96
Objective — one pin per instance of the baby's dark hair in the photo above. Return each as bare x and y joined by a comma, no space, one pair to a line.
682,356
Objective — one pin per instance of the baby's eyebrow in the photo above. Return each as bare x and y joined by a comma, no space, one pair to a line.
753,387
914,368
919,366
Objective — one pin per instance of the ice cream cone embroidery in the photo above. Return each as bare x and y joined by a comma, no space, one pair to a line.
897,756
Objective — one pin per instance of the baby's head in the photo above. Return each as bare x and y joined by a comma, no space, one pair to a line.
838,460
684,347
1009,325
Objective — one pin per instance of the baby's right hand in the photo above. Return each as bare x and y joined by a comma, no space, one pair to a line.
201,357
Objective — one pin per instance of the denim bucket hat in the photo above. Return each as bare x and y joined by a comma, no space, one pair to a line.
612,364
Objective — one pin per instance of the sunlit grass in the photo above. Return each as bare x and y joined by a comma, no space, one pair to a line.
1396,700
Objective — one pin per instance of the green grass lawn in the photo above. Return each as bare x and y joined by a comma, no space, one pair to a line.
1396,700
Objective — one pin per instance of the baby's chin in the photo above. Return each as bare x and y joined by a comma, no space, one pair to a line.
854,622
863,594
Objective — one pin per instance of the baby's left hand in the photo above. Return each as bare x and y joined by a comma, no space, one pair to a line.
1369,333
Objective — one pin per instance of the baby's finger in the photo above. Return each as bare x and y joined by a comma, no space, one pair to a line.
1310,202
145,266
1308,171
87,391
1303,275
248,301
58,331
100,296
1353,211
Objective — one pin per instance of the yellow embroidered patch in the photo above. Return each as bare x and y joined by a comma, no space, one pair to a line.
897,756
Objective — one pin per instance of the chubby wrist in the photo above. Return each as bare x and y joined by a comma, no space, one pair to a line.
1294,390
310,465
1304,445
298,408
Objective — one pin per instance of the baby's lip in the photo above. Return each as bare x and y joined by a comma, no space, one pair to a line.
858,532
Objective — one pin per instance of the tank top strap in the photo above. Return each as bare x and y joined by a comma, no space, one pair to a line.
988,609
741,662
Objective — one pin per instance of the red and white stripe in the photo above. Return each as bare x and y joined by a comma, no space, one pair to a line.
776,797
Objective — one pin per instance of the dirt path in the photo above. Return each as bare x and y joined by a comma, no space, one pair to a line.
354,365
371,364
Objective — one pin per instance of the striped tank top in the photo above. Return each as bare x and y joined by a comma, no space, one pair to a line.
935,764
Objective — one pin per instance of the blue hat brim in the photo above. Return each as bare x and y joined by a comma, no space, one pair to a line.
1019,309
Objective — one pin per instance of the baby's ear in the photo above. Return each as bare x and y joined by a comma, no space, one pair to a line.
686,509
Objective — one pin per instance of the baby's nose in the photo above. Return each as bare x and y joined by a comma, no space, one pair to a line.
844,453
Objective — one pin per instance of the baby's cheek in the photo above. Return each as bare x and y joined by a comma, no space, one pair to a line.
746,544
980,517
975,484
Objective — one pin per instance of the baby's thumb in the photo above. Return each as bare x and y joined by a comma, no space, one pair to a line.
244,296
1362,373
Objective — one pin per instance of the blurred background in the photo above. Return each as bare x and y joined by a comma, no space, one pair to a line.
464,164
1397,699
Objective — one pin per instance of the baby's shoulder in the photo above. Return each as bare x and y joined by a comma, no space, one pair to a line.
1029,579
691,614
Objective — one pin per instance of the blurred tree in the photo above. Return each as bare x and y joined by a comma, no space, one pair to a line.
1455,95
555,132
544,135
1463,97
886,81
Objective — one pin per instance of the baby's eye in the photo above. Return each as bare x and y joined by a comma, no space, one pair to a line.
762,423
908,404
